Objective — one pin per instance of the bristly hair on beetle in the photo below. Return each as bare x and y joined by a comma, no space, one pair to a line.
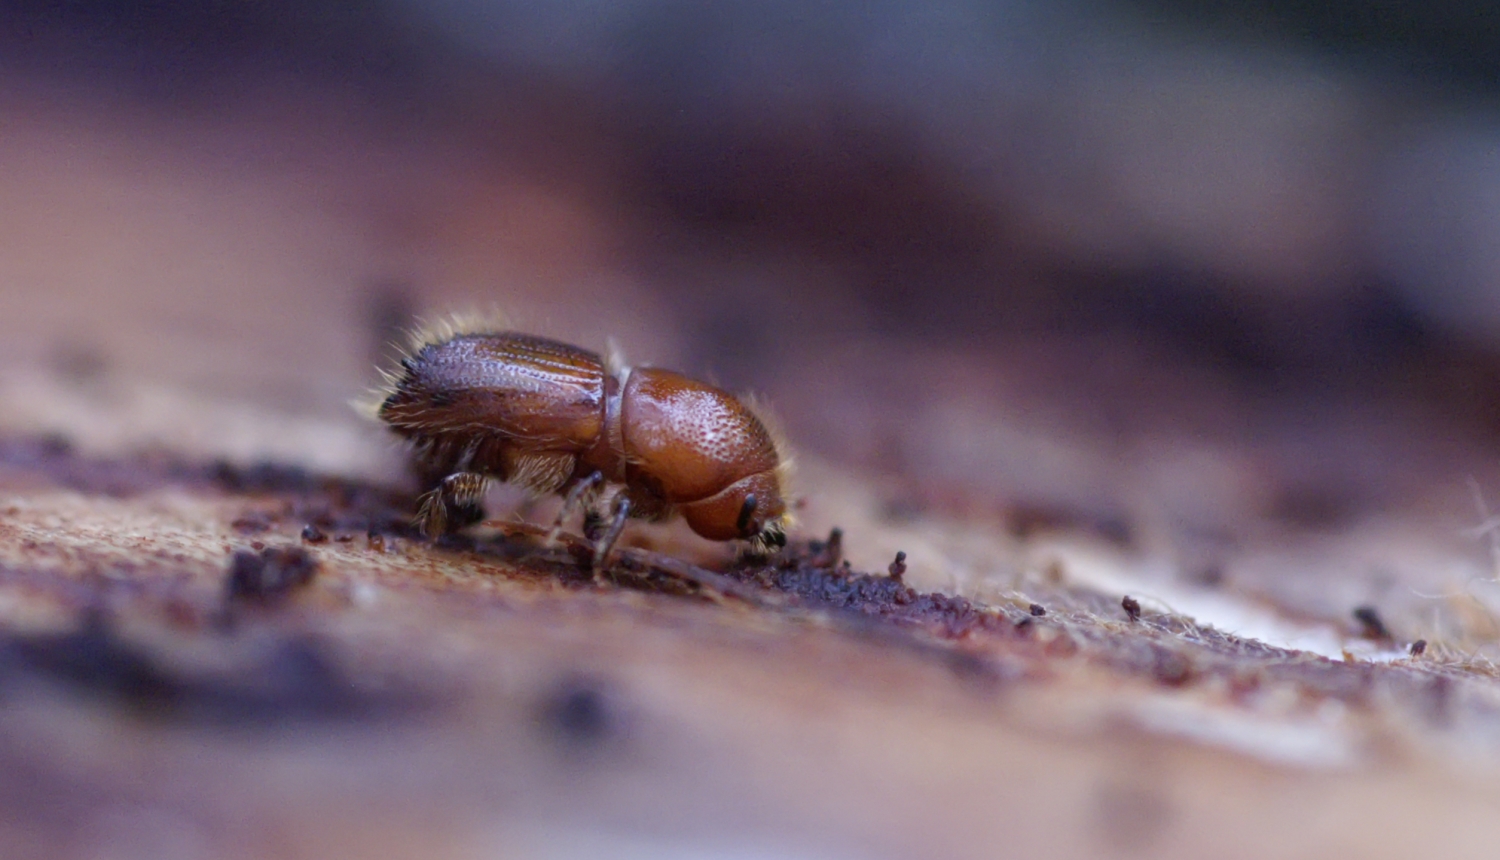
479,402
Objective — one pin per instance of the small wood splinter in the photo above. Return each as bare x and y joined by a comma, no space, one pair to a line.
897,569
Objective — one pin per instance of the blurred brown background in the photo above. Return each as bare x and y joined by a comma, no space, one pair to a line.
1216,285
944,239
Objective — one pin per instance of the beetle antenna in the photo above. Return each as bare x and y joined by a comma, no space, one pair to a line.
747,510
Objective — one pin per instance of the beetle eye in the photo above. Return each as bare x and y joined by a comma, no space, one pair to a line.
747,510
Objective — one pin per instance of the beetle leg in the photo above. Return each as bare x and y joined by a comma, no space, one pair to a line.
432,516
576,495
619,511
454,503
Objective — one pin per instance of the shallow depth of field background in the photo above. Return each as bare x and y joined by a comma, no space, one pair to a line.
1208,269
1212,290
1217,278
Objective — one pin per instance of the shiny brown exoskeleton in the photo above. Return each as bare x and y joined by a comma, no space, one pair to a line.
558,419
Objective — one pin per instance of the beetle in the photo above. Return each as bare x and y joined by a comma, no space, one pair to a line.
481,403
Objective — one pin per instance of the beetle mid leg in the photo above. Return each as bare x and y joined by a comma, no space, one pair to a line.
452,505
581,493
619,511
